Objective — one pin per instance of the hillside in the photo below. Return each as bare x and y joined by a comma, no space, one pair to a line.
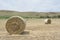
25,14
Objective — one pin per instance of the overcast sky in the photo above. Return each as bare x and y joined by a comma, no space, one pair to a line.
31,5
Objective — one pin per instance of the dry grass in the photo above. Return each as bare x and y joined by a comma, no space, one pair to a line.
36,29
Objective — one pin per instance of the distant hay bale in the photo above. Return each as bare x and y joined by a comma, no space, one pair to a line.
47,21
15,25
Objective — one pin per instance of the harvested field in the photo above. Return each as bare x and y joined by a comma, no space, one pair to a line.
36,29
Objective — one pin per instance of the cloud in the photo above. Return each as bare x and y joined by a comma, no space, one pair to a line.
30,5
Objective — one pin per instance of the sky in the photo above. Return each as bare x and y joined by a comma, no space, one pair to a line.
31,5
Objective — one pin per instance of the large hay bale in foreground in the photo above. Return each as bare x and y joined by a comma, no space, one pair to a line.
15,25
47,21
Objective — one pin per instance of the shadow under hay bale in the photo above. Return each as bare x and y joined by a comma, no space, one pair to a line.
15,25
25,33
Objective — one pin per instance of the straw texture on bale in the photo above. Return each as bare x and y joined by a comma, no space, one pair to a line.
47,21
15,25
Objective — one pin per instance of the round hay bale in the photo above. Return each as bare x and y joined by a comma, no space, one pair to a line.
15,25
47,21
